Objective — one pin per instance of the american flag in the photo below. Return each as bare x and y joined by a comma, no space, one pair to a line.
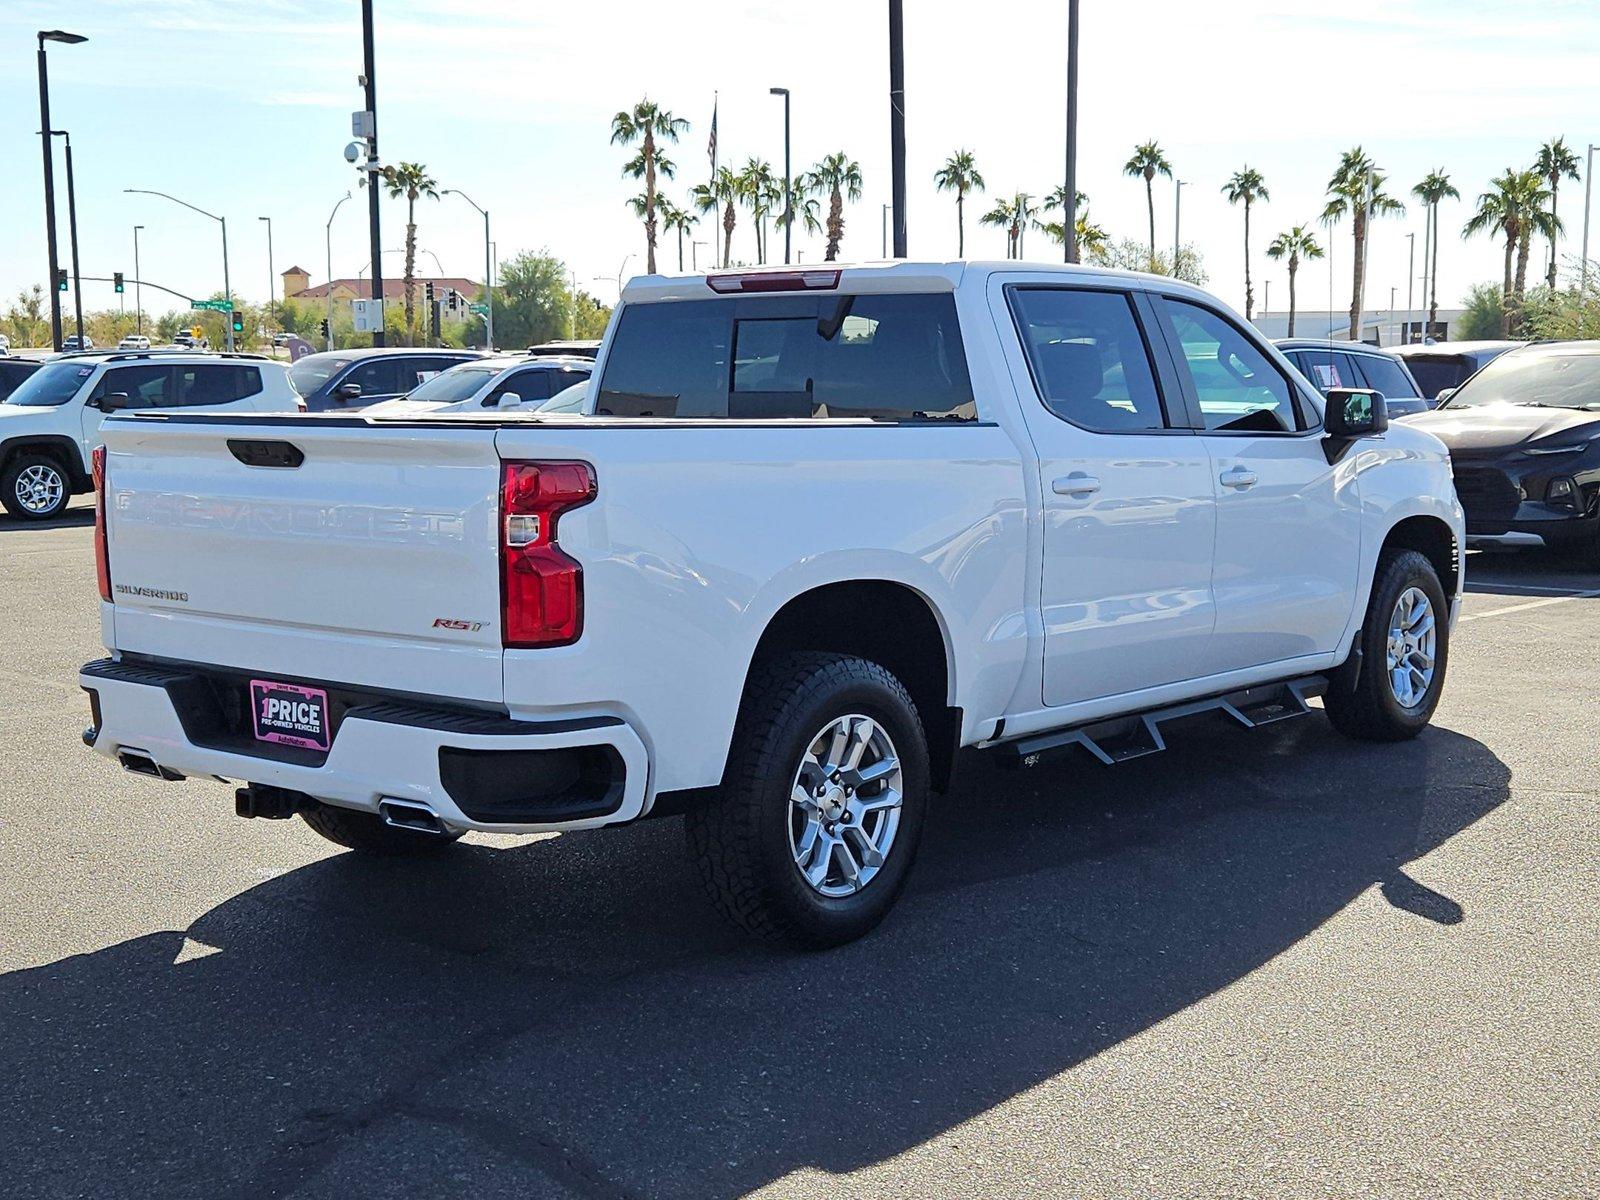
711,145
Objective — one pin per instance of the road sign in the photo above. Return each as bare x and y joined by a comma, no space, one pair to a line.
212,305
481,309
367,315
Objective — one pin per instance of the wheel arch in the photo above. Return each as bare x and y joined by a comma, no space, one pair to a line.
58,446
1433,538
887,622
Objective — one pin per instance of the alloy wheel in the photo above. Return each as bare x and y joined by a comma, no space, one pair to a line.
844,805
1411,647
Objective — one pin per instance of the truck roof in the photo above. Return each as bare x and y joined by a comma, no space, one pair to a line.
896,275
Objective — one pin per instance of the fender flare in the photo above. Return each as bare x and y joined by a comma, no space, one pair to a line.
59,446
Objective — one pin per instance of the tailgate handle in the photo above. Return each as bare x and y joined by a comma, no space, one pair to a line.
266,454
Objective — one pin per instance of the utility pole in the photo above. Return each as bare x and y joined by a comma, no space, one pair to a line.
897,121
885,253
328,234
72,236
788,183
369,80
1411,276
1177,224
1588,188
138,285
272,279
1069,209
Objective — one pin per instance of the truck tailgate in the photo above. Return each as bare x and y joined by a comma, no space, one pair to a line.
348,552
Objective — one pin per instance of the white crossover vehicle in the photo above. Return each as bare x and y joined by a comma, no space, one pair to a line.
819,530
504,382
51,423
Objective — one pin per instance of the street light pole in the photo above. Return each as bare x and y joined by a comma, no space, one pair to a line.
788,181
885,231
69,39
329,240
1177,225
72,235
1411,276
488,263
897,121
1069,209
138,285
227,286
272,278
1588,188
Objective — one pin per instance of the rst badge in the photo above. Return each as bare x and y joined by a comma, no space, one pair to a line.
456,624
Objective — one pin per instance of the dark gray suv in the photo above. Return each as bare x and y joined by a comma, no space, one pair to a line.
342,380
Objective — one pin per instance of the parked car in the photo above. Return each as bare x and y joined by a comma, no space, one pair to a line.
5,344
134,341
506,381
843,522
1524,439
72,343
1329,364
350,379
13,371
574,349
51,423
1439,366
187,341
570,400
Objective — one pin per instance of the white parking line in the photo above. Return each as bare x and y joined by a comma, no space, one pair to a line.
1511,608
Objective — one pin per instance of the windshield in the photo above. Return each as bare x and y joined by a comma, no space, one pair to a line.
51,385
314,370
458,383
1561,379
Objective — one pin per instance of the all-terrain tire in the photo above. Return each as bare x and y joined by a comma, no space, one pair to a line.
1367,707
742,838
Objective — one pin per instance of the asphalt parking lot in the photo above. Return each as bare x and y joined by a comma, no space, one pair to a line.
1265,963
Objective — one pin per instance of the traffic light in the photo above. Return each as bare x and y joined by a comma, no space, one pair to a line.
454,299
61,280
427,291
116,283
238,321
324,327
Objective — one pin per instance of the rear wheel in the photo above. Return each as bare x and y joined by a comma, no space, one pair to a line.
1405,644
811,837
367,832
34,486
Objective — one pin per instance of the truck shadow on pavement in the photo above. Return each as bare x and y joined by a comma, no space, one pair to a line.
569,1017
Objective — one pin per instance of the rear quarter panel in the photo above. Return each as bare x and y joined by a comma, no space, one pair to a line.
700,533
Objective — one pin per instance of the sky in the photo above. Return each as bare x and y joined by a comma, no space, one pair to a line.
243,109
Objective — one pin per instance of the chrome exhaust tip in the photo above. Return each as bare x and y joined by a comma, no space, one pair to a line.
137,762
408,814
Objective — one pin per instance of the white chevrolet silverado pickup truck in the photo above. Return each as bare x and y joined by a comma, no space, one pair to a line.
816,531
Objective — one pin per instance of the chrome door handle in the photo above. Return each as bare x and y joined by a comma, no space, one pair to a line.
1076,484
1239,478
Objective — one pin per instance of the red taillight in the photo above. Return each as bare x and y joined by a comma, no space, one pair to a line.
774,281
102,556
541,588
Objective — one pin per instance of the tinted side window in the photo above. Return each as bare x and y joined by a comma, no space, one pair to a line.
205,383
1386,376
890,358
1088,358
1239,388
12,374
669,360
529,385
145,387
1326,368
379,377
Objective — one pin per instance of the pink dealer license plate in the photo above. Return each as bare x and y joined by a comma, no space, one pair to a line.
289,714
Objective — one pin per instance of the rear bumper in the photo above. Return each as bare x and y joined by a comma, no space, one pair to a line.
473,770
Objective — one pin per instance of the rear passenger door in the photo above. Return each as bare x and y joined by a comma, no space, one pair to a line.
216,385
1129,506
1287,522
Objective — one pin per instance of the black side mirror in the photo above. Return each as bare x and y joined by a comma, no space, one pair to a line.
1352,413
112,401
347,391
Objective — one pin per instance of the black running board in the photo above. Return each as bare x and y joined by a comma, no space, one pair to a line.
1123,738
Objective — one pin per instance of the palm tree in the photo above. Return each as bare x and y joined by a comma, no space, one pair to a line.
722,192
412,181
1536,219
1357,189
1149,161
1298,243
1092,238
1246,187
807,208
1435,186
760,189
837,176
959,175
1012,216
1554,163
1499,212
676,220
644,124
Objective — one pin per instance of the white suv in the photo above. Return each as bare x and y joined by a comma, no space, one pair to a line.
505,382
50,425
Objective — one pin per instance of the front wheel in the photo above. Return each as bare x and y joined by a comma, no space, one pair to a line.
1405,644
811,836
34,487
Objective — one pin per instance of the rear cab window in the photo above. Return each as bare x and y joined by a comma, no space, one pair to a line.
882,357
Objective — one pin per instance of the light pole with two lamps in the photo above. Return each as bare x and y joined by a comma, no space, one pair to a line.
488,263
227,286
66,39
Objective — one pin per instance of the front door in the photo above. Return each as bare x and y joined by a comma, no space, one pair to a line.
1288,542
1129,510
